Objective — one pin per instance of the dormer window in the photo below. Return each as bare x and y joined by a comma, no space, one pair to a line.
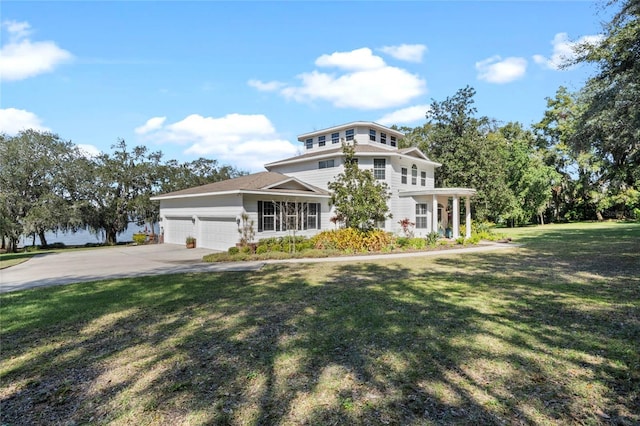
309,143
372,135
383,138
335,137
414,175
349,134
322,140
393,141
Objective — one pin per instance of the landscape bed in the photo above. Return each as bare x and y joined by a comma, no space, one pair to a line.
545,333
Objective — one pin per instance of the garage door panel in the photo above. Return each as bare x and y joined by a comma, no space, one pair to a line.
177,229
218,233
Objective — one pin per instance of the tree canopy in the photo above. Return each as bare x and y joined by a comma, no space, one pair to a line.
359,199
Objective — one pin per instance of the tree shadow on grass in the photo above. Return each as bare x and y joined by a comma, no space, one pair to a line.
365,343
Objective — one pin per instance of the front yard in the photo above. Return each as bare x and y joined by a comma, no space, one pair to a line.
548,333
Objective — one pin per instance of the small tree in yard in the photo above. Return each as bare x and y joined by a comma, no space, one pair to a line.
358,197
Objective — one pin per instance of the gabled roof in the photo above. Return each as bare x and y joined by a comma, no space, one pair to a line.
361,149
263,182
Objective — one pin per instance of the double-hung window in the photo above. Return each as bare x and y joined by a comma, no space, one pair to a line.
403,172
309,143
393,141
282,216
349,134
372,135
383,138
322,140
325,164
335,137
414,175
379,166
421,216
423,178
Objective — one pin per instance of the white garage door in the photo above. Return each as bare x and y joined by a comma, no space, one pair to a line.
218,233
177,229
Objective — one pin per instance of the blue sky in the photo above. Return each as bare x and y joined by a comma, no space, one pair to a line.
238,81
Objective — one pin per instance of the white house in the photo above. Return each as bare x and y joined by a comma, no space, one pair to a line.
292,196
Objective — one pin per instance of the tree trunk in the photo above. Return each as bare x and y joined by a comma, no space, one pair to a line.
43,239
541,218
111,237
13,245
599,216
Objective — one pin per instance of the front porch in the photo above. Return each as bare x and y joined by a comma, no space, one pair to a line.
441,217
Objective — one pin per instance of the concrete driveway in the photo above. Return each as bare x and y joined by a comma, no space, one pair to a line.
108,263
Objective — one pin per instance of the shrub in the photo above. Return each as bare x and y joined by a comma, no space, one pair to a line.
432,238
402,242
461,240
261,249
417,243
233,250
352,240
139,238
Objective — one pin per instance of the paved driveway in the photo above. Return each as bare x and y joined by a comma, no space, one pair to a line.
107,263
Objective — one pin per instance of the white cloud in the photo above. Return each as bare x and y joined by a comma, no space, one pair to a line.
151,125
358,59
405,115
406,52
14,120
21,58
498,70
89,150
242,140
270,86
564,50
362,81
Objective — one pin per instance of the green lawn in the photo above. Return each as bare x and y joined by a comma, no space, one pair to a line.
546,333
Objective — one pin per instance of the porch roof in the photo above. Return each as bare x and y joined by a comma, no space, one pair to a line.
449,192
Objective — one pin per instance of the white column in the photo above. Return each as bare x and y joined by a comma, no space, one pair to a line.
456,217
467,221
434,217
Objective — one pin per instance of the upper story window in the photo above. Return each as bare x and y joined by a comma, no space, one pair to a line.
383,138
326,164
372,135
335,137
379,166
309,143
393,141
322,140
403,172
423,178
414,175
349,134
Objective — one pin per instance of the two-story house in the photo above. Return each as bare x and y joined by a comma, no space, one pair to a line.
291,197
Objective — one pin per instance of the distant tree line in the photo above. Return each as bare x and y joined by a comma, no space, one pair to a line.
581,161
49,184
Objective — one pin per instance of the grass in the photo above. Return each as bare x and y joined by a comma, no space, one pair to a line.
548,333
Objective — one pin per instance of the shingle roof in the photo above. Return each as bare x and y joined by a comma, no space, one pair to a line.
329,152
364,148
262,181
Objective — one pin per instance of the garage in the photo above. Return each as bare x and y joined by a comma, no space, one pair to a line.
177,229
217,232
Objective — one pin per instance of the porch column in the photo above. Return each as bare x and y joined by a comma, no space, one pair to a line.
456,216
467,220
434,213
